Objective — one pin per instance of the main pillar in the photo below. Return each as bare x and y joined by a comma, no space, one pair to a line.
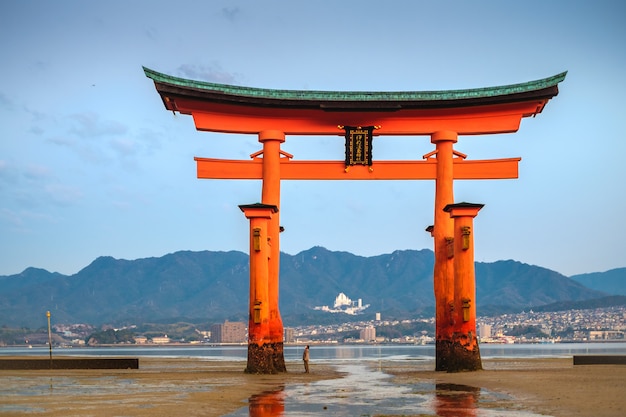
260,346
465,353
270,194
443,232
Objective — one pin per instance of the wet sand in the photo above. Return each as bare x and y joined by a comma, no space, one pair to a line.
196,387
553,387
160,387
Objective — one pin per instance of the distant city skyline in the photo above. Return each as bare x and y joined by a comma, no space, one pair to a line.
91,164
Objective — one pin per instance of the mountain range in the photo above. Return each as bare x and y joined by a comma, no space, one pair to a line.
214,286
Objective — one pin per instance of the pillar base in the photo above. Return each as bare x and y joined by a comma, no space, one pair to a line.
267,358
457,356
443,355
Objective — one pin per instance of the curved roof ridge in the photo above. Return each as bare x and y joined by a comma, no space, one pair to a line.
303,95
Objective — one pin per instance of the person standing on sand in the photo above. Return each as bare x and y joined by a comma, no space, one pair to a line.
305,359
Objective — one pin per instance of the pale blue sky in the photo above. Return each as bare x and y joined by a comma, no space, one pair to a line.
91,164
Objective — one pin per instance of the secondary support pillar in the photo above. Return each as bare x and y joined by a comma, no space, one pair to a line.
260,346
271,140
465,353
443,232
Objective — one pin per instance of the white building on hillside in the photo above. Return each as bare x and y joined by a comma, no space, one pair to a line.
343,304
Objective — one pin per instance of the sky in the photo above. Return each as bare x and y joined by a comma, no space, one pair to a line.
91,163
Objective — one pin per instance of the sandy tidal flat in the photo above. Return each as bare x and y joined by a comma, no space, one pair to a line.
198,387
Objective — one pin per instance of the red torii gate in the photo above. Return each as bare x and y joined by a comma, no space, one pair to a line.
441,115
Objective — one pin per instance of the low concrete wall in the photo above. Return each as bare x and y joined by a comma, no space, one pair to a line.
599,359
70,363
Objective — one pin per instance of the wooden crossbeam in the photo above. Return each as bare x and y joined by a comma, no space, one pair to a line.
209,168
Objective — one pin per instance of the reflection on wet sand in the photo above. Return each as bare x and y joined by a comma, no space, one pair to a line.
454,400
450,400
267,404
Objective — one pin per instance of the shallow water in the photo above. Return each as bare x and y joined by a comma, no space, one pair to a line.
328,353
365,392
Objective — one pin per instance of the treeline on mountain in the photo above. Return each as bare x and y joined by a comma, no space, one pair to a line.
214,286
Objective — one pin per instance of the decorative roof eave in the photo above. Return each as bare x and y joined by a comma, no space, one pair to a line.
170,88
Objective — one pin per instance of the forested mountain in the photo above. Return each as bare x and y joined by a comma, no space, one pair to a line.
215,286
613,281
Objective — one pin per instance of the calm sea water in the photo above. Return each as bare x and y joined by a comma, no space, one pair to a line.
332,353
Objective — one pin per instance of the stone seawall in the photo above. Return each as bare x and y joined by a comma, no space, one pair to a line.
69,363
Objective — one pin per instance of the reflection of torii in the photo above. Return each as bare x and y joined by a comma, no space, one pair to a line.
274,114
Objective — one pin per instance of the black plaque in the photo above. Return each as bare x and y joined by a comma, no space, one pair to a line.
359,145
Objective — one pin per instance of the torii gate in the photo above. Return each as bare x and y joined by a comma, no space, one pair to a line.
441,115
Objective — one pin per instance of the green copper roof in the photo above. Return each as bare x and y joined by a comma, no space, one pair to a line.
362,96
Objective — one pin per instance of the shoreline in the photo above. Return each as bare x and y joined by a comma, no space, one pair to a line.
210,388
290,344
